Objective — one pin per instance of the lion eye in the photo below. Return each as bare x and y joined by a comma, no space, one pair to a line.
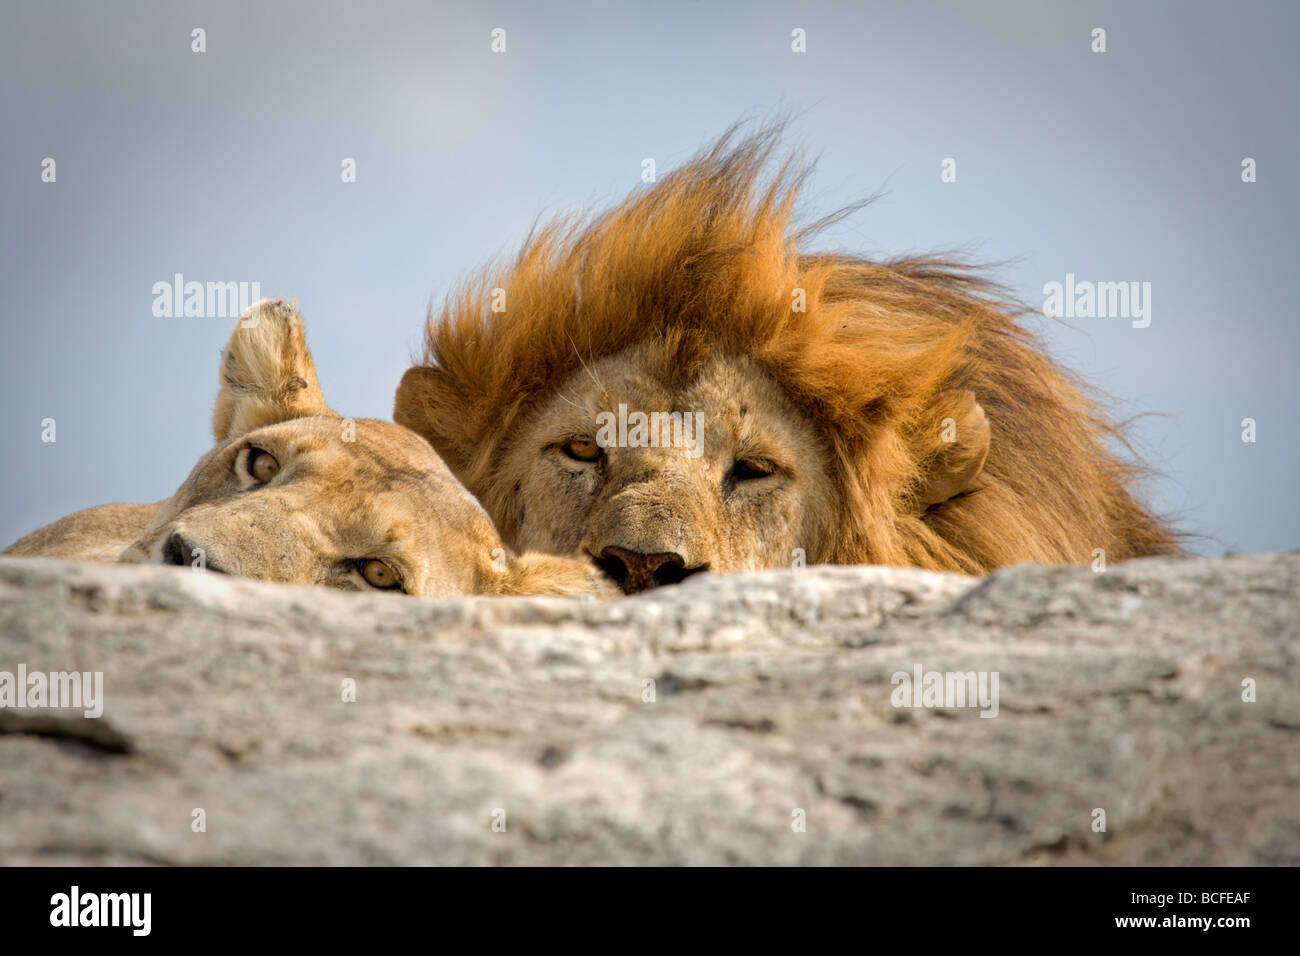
262,465
749,469
582,449
378,574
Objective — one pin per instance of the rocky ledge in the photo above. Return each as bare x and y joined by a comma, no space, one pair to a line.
1144,715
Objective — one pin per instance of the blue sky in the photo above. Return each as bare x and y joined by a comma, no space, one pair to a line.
224,166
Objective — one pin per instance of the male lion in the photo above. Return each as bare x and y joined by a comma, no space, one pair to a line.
294,493
852,411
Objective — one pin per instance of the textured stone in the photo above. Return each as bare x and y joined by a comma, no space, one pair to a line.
1120,690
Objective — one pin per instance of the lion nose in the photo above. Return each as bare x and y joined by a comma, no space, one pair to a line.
635,571
177,551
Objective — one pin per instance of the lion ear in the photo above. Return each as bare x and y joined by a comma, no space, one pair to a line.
961,447
431,406
267,374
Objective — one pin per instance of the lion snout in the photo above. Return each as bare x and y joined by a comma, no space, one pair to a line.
635,571
178,551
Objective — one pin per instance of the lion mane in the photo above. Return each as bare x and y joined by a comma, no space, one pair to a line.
708,259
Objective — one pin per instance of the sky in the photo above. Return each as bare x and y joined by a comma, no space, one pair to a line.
227,166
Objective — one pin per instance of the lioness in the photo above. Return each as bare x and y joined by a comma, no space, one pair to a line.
673,387
294,493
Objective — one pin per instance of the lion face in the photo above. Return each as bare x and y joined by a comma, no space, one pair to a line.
294,493
657,476
865,412
364,505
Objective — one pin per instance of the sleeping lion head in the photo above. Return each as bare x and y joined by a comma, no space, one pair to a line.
292,492
672,387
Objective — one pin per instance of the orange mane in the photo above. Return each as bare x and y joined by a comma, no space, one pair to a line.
707,259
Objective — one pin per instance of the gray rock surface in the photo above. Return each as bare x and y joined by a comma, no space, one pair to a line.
772,702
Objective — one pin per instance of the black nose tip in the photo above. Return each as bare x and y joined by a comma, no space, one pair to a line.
176,551
635,571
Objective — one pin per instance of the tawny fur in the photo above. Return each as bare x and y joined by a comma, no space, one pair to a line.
100,533
706,263
345,492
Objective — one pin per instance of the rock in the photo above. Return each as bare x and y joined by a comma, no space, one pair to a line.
1120,691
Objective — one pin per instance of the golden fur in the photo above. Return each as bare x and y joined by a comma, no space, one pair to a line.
345,492
693,280
100,533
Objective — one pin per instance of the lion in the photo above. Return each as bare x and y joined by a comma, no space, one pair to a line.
294,493
849,411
